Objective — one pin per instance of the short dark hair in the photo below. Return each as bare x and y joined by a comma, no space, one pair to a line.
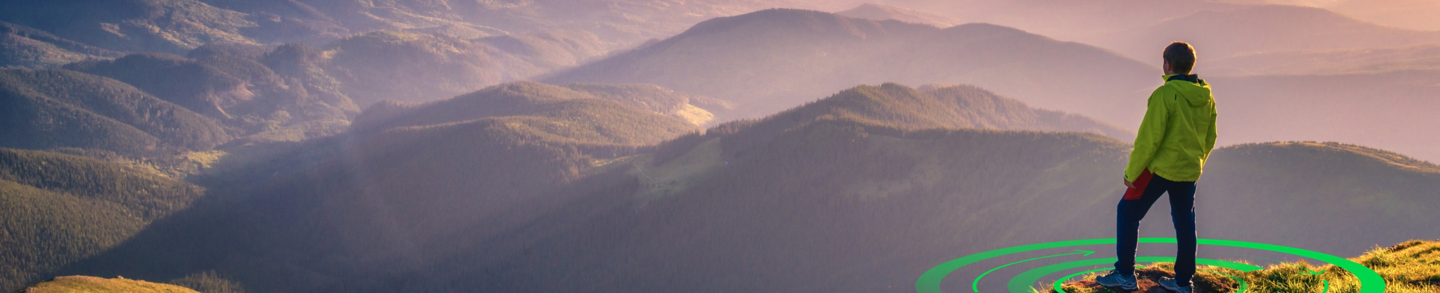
1181,57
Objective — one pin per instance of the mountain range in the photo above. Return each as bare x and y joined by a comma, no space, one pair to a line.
871,179
1257,29
226,146
773,59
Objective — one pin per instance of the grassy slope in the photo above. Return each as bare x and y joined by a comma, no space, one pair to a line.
1409,267
87,284
62,208
62,108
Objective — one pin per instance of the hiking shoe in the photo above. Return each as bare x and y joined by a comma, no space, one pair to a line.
1115,279
1169,284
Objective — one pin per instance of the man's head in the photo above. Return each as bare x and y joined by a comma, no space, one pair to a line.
1179,58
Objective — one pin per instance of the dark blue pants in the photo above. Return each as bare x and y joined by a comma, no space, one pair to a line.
1182,212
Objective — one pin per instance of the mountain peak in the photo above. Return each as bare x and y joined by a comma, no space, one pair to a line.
886,12
795,20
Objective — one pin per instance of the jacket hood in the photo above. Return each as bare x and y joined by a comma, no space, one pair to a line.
1191,88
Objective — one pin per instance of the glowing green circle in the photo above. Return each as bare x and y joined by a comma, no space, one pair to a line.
929,282
1023,281
1058,284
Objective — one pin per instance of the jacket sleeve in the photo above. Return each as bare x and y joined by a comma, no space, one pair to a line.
1210,137
1147,140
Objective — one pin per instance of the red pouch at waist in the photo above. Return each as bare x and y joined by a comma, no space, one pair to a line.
1140,183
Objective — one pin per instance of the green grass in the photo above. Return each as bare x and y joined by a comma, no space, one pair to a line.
1410,267
88,284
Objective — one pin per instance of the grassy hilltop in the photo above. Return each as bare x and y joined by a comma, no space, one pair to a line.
1410,267
87,284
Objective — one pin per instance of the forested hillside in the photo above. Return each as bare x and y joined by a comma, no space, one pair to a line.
419,173
32,48
173,26
240,92
60,209
61,108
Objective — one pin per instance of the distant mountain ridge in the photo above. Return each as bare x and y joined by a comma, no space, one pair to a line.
522,99
530,98
943,106
175,26
1387,110
1264,28
774,59
421,67
883,12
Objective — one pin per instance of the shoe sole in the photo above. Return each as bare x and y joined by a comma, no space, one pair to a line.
1121,287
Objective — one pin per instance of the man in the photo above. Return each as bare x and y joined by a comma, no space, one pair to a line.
1170,151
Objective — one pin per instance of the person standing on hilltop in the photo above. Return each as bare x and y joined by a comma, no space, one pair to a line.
1171,147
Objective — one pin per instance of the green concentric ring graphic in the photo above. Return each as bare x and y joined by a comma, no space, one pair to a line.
1023,281
1061,281
929,282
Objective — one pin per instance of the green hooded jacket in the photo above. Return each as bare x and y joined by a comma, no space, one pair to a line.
1178,131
